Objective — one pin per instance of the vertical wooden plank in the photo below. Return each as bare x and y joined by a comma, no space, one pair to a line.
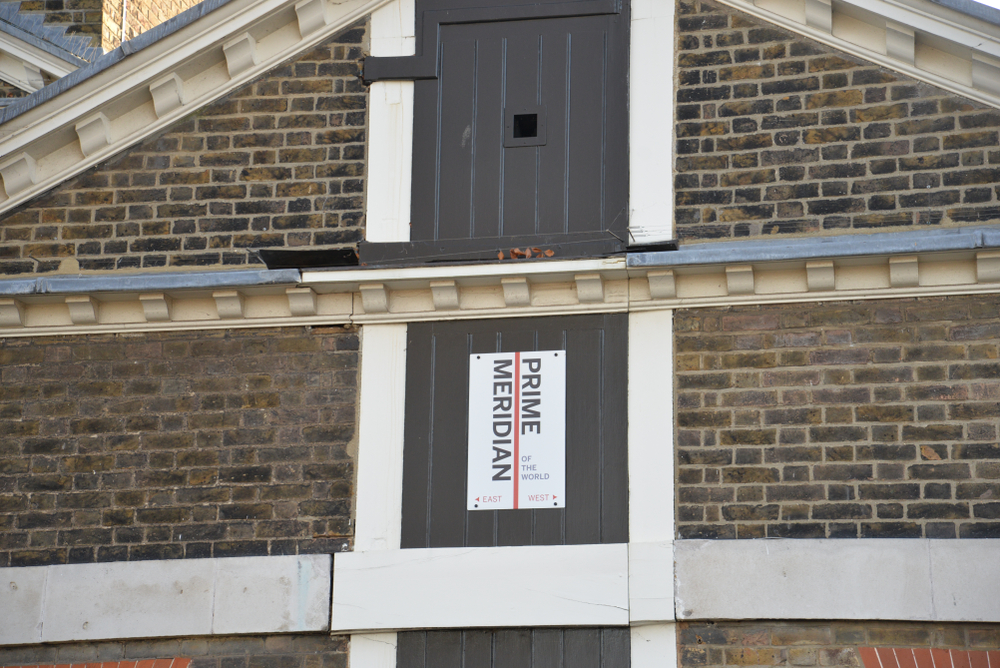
582,648
481,524
520,162
583,429
448,440
444,649
586,130
457,81
410,649
512,648
614,435
552,166
546,648
616,648
549,525
616,124
424,172
487,135
478,649
416,436
514,526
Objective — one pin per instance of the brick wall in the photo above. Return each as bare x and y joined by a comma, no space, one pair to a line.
81,17
279,163
176,445
817,643
141,16
777,134
871,419
277,651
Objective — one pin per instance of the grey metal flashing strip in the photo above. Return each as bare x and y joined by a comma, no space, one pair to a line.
854,245
68,285
972,8
111,58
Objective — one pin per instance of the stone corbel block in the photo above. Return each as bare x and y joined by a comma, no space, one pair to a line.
904,272
18,173
516,291
986,73
33,76
11,313
156,307
94,132
301,301
241,54
168,94
988,267
819,15
229,303
820,275
900,42
312,16
445,295
662,284
739,280
589,288
82,309
374,298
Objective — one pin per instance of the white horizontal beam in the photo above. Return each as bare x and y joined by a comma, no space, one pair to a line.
561,585
178,597
890,579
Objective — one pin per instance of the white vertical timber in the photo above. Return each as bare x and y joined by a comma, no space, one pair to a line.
380,438
650,133
372,650
390,143
650,466
654,646
650,426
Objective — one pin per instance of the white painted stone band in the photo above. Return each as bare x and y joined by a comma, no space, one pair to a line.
182,597
892,579
484,587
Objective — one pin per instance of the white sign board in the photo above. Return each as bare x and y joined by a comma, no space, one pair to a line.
517,430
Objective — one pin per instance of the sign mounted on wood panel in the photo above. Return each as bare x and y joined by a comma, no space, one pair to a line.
517,430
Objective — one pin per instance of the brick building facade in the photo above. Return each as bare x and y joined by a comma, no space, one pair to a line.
190,430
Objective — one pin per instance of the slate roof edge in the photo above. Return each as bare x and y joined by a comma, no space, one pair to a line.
135,45
54,50
150,282
833,247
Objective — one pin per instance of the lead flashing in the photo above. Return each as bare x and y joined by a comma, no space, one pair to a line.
149,283
860,245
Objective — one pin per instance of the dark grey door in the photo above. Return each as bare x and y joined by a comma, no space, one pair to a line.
436,430
520,132
515,648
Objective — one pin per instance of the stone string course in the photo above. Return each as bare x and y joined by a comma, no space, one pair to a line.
279,163
176,445
840,420
703,645
777,134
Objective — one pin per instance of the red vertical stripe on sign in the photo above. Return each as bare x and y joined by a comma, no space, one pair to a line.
517,420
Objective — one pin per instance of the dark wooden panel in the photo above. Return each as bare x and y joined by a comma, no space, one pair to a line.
515,648
455,118
587,87
487,136
436,433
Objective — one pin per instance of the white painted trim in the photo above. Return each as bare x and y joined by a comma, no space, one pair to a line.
872,579
654,646
195,53
651,579
372,650
32,55
651,130
650,426
561,270
380,438
484,587
155,599
390,134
